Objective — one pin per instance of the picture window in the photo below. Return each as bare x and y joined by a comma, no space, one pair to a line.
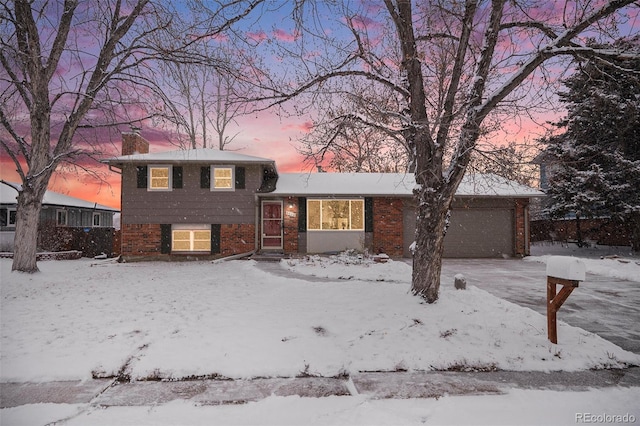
335,215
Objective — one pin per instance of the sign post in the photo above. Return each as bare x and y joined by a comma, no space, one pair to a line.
565,271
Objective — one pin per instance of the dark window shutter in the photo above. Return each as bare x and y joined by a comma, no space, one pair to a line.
368,214
177,177
141,176
240,172
215,238
302,214
165,239
205,177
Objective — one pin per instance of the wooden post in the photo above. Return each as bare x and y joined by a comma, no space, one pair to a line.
555,301
568,272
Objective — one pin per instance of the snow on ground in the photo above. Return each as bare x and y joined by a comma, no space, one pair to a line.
615,261
81,318
78,319
522,407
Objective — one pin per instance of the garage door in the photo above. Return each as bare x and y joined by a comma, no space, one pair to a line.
472,233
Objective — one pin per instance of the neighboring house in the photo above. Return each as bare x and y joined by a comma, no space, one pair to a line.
548,165
66,223
220,203
601,230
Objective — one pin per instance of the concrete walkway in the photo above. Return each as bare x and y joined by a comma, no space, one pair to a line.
377,385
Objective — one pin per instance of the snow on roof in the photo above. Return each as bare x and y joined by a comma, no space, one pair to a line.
392,184
9,193
189,155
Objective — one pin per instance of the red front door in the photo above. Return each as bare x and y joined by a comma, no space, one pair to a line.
272,224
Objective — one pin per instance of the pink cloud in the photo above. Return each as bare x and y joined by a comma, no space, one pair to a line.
300,127
257,36
282,35
360,22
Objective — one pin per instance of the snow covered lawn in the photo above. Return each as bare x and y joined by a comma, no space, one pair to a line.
82,318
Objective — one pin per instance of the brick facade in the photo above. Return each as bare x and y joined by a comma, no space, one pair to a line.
237,238
140,239
387,226
145,239
387,235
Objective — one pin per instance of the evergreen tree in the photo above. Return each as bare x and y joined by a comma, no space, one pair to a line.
597,158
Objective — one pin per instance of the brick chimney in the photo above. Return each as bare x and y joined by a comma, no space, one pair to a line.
133,143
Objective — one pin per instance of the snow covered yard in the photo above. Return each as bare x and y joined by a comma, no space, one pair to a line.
84,318
78,319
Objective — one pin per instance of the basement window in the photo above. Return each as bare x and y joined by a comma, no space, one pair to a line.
191,240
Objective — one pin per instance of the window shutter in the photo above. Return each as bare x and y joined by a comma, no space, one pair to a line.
205,177
368,214
165,239
177,177
240,172
215,238
141,176
302,214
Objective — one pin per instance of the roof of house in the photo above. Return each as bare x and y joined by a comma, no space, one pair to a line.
9,192
191,155
392,184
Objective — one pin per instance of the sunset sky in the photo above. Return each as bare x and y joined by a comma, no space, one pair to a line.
265,134
262,135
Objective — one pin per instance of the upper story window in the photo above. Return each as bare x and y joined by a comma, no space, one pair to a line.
61,217
96,221
159,178
343,215
222,178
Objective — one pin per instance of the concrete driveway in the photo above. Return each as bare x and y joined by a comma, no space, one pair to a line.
606,306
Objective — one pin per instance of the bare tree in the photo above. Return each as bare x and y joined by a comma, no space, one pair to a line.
456,66
64,61
204,99
511,160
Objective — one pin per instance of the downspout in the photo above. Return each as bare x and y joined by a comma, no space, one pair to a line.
257,222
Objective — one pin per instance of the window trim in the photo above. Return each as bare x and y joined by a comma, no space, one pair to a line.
191,229
322,200
66,217
150,168
6,216
212,171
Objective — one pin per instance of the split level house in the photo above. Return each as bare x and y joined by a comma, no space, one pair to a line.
220,203
66,223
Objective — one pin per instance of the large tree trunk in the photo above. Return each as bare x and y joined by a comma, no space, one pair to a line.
431,225
27,221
